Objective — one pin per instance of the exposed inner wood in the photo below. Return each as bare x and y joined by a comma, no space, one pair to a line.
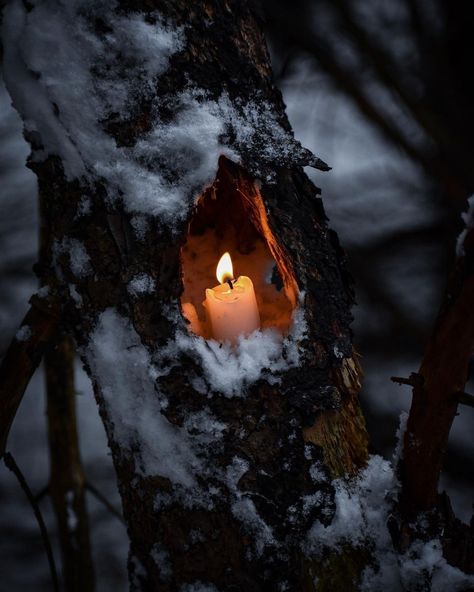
232,218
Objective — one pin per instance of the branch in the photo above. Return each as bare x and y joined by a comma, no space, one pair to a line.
67,486
384,65
442,376
465,399
415,380
14,468
23,357
96,493
346,80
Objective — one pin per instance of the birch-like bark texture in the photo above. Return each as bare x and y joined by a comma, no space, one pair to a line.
146,106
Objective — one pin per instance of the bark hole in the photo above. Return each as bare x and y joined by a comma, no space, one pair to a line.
230,217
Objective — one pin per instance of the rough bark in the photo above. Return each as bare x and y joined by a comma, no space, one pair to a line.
280,430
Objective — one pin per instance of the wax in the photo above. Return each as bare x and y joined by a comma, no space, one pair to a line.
232,312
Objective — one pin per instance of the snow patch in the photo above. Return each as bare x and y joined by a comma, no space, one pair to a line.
161,557
361,509
184,455
75,295
468,219
23,333
84,206
231,369
198,586
72,519
141,284
133,404
79,260
98,81
244,509
43,291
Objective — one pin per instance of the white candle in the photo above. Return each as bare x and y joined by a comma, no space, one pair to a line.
231,306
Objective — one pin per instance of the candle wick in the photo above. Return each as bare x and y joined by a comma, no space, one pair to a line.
230,284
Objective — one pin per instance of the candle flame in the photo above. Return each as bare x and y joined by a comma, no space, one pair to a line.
224,270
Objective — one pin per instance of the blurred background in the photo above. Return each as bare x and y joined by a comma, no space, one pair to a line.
384,93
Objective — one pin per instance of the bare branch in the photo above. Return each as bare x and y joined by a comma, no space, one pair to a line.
103,500
67,485
465,399
443,372
23,357
15,469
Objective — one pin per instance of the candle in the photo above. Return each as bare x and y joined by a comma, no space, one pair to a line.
231,306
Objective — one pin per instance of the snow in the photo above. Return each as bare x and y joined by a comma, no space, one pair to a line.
400,435
79,260
229,369
198,587
100,77
363,507
71,101
23,333
71,513
360,509
161,557
139,225
141,284
132,405
244,509
75,295
84,207
78,257
468,219
428,558
181,454
43,291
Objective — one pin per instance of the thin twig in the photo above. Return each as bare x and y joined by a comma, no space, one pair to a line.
414,380
41,494
465,399
96,493
15,469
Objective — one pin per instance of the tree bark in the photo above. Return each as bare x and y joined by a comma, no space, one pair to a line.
216,489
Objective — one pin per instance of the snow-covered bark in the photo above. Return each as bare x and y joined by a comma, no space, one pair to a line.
224,455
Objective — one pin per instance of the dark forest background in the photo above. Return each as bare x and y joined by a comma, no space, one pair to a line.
384,93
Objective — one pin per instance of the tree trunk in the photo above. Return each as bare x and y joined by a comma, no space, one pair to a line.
159,123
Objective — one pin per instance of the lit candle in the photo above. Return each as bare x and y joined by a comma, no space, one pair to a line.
231,306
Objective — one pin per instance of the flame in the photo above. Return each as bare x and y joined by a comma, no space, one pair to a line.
224,270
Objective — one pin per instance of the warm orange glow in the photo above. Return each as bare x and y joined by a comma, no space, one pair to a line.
224,271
